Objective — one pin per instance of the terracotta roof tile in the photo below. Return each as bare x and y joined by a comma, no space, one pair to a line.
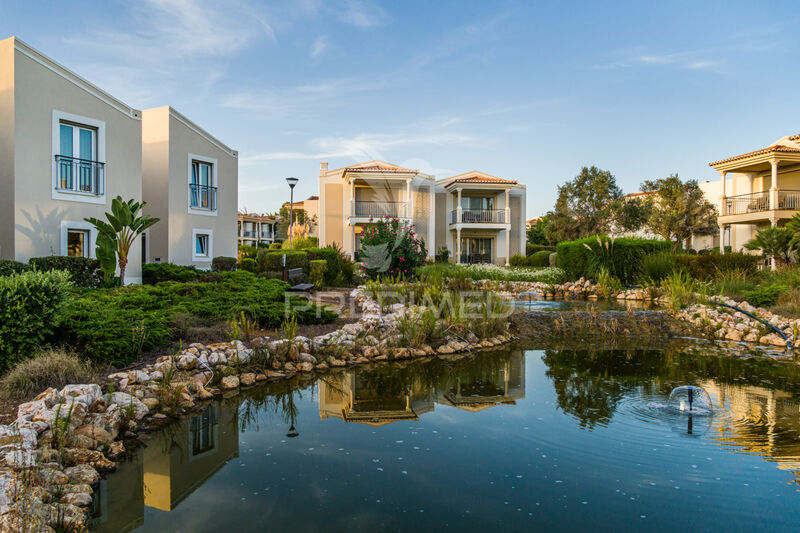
483,179
770,149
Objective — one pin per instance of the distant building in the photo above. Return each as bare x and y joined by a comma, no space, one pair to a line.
257,230
311,207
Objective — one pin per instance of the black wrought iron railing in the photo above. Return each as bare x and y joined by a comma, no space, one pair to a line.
379,209
80,175
747,203
479,216
202,197
249,234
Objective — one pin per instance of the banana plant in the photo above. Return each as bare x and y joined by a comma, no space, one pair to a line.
115,237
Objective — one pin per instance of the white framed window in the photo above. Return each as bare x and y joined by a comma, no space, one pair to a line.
78,239
202,172
78,158
202,245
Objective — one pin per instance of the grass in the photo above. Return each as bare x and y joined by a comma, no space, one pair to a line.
49,368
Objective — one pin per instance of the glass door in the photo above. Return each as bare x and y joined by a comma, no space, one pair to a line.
476,250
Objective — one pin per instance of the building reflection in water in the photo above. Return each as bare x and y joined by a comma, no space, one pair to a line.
376,398
758,421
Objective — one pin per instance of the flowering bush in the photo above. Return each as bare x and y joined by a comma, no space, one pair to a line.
390,247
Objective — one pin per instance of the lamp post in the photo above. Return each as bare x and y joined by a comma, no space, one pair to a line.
292,182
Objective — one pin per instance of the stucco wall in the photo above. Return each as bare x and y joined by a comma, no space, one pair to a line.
422,215
517,225
333,215
155,178
7,149
38,91
440,220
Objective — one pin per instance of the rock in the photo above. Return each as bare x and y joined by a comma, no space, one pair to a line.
128,404
31,408
247,379
202,394
116,450
99,405
336,362
261,377
81,441
93,458
305,367
186,362
151,403
734,335
138,376
230,382
20,438
445,349
275,375
51,476
304,357
96,433
18,458
78,499
91,390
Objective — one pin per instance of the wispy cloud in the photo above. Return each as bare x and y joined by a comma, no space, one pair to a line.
318,47
693,60
362,14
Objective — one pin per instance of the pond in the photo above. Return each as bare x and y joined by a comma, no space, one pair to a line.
516,440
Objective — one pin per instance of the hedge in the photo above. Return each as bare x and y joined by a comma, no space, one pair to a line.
116,325
223,264
331,256
8,267
623,259
517,260
274,260
153,273
540,258
28,306
84,272
708,266
531,249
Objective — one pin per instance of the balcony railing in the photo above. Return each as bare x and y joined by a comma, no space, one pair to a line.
756,202
267,235
380,209
80,175
251,234
479,216
202,197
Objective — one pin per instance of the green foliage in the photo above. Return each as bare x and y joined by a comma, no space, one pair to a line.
537,233
765,296
518,260
540,258
117,235
116,325
607,284
389,246
274,246
223,264
623,258
443,254
248,264
463,275
49,368
658,266
680,288
680,210
773,242
317,269
247,251
273,261
708,266
300,243
553,259
336,261
29,304
153,273
84,272
8,267
531,249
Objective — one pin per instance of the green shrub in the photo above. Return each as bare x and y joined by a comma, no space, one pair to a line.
317,268
708,266
443,254
8,267
331,257
275,246
49,368
248,264
623,258
29,303
299,243
657,266
84,272
539,259
553,259
518,260
531,249
116,326
153,273
223,264
765,296
274,260
391,247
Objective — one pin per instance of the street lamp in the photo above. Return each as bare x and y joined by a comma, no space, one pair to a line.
292,182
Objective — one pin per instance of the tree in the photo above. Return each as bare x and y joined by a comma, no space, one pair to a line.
583,206
629,214
679,210
536,233
773,242
115,237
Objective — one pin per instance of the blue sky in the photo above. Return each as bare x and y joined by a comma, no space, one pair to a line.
524,90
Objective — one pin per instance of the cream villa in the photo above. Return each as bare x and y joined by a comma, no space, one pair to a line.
756,189
66,149
190,182
256,230
478,217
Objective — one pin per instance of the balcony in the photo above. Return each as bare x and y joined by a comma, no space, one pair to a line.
379,209
249,234
759,202
202,197
478,216
81,176
267,235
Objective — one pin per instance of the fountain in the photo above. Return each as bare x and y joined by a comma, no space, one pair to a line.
690,400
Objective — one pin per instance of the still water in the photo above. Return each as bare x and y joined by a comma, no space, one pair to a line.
517,440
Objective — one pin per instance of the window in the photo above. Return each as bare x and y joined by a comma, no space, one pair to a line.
77,243
202,245
477,203
202,185
78,158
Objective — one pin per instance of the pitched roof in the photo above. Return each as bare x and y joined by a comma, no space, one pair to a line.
376,165
790,144
478,177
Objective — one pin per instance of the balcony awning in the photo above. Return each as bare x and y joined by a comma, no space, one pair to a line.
785,149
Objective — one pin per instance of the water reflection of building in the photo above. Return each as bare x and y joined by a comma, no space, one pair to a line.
118,504
476,389
761,421
354,397
193,450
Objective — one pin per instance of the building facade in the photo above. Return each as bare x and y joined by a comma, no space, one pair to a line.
478,217
256,230
67,148
190,181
